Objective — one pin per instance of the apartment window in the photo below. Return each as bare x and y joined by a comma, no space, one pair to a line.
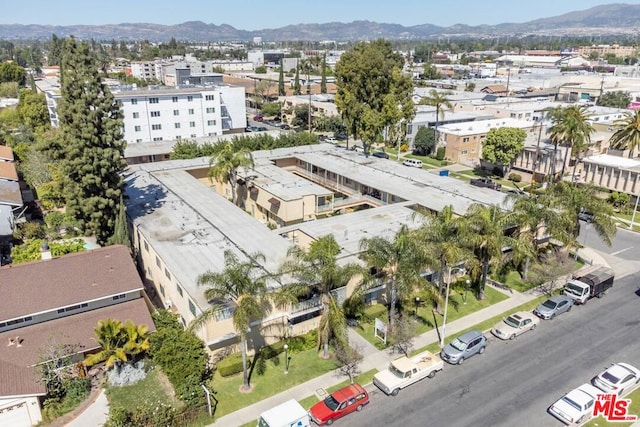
146,246
134,102
176,112
465,139
154,100
158,263
166,273
156,127
192,307
208,97
211,122
162,289
193,135
174,99
117,297
137,128
191,112
157,138
138,140
211,110
192,124
176,125
179,290
72,308
464,152
136,115
179,137
155,114
189,98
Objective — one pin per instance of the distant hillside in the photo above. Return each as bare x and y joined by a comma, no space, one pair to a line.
608,19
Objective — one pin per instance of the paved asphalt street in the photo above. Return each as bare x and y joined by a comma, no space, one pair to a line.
626,244
515,382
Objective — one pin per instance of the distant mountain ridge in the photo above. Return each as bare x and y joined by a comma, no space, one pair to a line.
616,18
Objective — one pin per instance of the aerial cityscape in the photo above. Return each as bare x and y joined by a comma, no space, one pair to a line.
396,214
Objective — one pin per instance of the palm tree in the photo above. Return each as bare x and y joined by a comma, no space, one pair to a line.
241,286
224,166
118,342
572,127
627,135
442,239
484,230
318,268
439,100
569,200
399,260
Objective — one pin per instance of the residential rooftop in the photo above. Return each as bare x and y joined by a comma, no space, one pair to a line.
482,126
614,161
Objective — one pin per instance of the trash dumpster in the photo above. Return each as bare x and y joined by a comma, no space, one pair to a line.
444,172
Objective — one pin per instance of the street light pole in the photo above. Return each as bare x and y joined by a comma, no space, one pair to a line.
635,208
446,305
417,305
466,288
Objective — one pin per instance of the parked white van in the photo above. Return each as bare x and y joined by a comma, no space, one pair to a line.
413,163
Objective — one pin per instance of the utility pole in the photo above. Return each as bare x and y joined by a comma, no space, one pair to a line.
309,94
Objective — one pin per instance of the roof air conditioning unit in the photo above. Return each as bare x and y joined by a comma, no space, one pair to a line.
168,303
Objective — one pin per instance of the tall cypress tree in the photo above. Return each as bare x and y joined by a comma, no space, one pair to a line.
296,82
91,156
281,91
323,81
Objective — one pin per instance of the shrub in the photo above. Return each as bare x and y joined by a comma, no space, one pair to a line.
230,365
404,147
440,153
515,177
303,342
497,171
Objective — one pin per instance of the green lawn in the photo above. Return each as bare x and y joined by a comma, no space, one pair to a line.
304,366
513,280
482,326
634,409
155,388
426,316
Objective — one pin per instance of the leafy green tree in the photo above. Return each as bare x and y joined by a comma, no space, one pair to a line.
30,251
243,285
91,156
615,99
9,90
300,116
424,141
318,269
469,87
296,81
270,109
399,260
281,89
121,230
571,127
33,111
502,146
261,70
439,100
12,72
373,94
185,149
224,166
323,78
627,134
119,343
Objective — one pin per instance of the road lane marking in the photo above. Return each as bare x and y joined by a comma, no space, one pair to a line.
620,251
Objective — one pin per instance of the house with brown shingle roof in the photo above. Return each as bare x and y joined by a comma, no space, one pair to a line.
63,299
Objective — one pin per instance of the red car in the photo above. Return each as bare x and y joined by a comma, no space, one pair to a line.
340,403
258,118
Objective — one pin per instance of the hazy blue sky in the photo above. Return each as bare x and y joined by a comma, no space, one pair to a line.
255,15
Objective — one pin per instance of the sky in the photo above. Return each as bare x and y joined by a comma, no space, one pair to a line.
255,15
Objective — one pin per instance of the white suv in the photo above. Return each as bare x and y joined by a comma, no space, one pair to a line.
413,163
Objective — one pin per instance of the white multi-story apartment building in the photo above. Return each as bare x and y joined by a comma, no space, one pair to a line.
167,114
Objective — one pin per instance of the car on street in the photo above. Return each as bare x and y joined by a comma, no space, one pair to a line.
357,149
617,378
331,140
380,154
340,136
515,324
463,347
553,306
576,406
285,126
351,398
585,216
486,183
258,118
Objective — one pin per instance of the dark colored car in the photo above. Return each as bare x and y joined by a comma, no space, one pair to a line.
342,402
463,347
380,154
285,126
340,136
261,128
258,118
585,216
486,183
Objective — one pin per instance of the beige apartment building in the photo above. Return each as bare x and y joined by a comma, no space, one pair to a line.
613,172
605,49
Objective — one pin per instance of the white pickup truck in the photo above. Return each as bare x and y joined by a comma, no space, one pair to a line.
405,371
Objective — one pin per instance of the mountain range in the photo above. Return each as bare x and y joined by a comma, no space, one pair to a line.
610,19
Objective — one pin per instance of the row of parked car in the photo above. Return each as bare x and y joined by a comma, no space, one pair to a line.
577,406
